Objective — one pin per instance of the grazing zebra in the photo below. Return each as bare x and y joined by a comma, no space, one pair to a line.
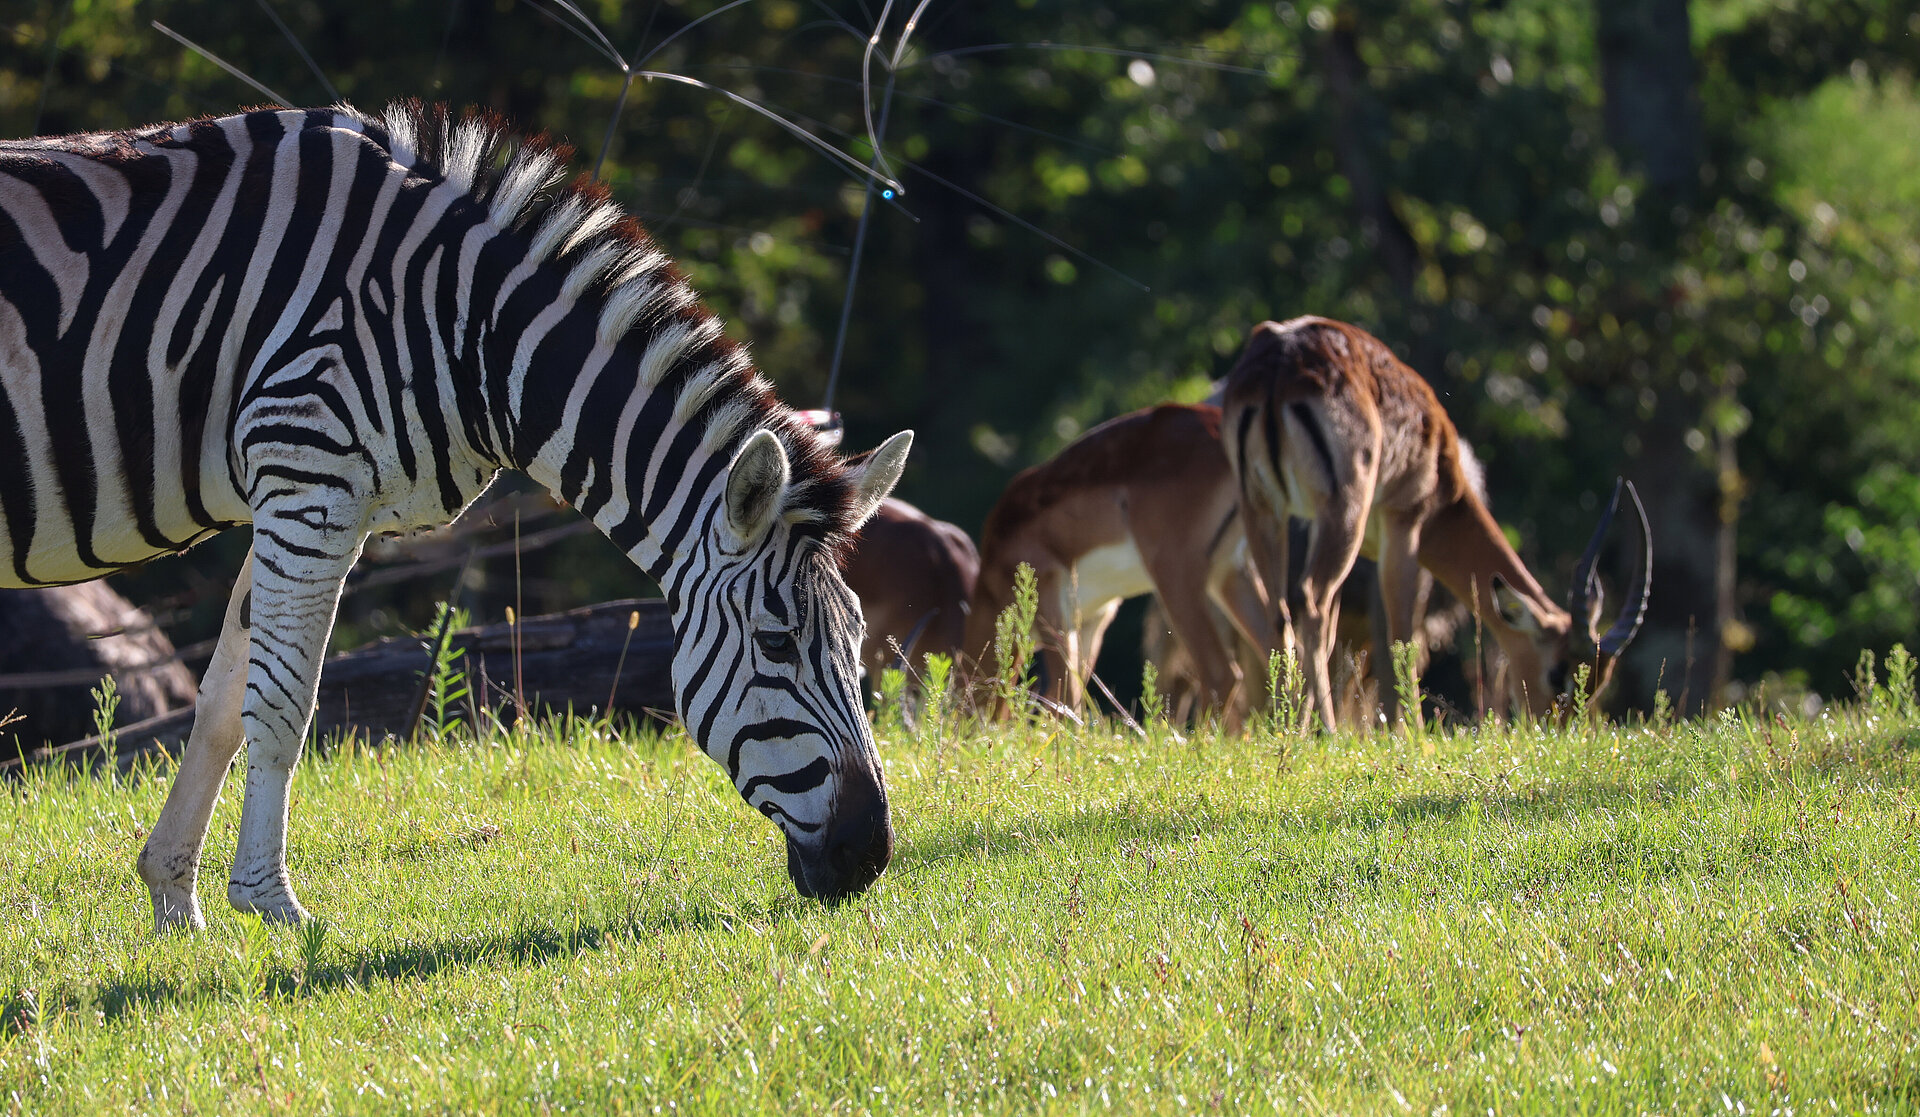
326,323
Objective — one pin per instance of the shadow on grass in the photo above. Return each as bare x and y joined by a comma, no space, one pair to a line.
1140,821
1455,844
1155,820
1130,821
21,1012
532,943
1559,801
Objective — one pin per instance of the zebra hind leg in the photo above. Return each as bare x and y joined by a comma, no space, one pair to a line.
297,578
170,861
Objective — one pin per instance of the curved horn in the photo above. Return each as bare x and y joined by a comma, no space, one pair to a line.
1586,579
1634,609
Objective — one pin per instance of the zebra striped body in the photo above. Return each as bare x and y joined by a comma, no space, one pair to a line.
327,324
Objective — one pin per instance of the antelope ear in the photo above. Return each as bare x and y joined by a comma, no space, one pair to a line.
756,486
874,475
1514,609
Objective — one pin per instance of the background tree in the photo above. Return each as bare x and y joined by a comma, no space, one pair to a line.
1675,241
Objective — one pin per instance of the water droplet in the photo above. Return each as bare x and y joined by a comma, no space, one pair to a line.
887,194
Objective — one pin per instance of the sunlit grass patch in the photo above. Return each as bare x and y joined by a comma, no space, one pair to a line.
1617,918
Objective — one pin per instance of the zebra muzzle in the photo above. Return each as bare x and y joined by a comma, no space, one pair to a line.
857,849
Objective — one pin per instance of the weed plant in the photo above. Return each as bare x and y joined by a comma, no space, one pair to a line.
446,678
106,709
1013,640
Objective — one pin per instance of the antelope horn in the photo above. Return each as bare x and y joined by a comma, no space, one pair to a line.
1634,609
1586,578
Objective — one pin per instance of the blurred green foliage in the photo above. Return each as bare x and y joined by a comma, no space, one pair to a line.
1201,170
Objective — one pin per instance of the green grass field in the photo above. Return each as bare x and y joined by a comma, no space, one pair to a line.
1680,918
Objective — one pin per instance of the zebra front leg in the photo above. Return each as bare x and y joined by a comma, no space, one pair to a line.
170,861
297,577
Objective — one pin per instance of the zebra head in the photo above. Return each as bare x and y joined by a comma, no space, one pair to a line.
767,667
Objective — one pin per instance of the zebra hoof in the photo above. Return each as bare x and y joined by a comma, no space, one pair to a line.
176,907
275,903
176,913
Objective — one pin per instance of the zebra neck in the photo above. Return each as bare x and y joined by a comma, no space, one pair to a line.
636,434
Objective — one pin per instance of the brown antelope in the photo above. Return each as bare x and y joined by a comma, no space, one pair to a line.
1325,424
1362,627
1143,503
1362,631
913,575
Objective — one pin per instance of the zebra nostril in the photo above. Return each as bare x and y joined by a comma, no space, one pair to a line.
846,857
861,851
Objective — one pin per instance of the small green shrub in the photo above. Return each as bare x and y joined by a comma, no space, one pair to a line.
447,684
1406,682
1013,643
1153,704
1286,689
935,687
106,704
1899,700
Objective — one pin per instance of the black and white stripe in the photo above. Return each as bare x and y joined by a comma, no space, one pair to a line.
325,324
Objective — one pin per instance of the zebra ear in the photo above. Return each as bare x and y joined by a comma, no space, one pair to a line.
756,485
875,474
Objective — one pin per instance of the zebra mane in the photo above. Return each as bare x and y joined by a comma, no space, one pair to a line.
521,180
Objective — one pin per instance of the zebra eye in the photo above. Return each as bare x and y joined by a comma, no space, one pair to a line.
777,645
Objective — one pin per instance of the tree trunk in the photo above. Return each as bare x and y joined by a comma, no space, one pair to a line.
1682,649
1647,71
1359,143
1653,121
953,395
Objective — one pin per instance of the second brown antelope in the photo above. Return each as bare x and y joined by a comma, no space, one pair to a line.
1143,503
1323,423
913,575
1361,639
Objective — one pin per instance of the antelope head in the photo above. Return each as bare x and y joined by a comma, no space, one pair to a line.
1551,645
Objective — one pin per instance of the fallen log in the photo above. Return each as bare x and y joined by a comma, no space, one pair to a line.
566,661
56,643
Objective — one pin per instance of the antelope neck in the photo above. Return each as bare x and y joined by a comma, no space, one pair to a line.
1465,549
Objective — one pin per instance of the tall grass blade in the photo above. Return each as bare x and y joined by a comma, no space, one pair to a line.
220,62
583,28
858,169
866,87
300,48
